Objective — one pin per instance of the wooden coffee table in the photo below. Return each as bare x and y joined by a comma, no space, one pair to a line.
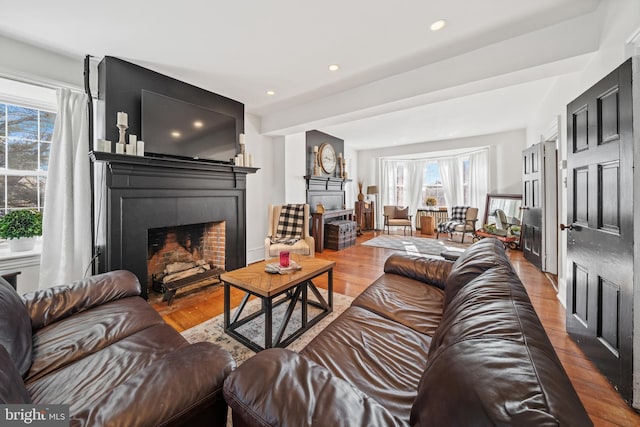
273,290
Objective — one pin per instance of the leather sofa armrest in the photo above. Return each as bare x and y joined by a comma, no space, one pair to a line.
428,270
280,387
172,390
47,306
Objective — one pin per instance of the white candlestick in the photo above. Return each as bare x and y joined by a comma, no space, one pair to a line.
132,139
123,119
315,148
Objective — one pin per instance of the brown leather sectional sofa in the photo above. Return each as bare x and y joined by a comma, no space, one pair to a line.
98,346
430,343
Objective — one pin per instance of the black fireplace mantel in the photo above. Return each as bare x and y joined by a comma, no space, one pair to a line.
134,194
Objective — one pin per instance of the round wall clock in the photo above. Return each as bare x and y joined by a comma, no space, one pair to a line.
327,158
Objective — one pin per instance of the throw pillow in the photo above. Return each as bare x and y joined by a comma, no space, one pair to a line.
402,213
15,327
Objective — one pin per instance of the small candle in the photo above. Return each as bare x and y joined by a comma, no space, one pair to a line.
241,138
133,139
131,149
315,148
340,155
123,119
140,148
120,148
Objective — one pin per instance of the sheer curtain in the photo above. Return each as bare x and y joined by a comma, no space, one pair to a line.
388,186
451,174
416,181
478,182
66,237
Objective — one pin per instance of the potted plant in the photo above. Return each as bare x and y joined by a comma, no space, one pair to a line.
20,228
430,201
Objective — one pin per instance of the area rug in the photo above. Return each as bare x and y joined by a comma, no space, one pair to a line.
415,245
213,329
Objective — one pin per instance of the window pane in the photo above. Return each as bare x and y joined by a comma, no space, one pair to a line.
23,154
2,199
432,174
23,122
3,120
47,120
22,192
3,142
45,149
43,183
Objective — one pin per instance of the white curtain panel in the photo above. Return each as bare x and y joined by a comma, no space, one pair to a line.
416,181
451,174
479,182
66,238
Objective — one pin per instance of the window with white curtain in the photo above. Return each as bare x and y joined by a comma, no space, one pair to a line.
25,140
433,186
27,116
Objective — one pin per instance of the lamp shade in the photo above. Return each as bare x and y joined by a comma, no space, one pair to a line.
372,189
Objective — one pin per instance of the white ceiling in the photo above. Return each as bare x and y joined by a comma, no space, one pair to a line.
398,82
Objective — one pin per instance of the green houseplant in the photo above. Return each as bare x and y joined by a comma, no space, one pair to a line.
20,227
430,201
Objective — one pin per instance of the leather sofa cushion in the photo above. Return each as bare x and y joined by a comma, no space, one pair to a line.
479,257
378,356
432,271
409,302
50,305
15,327
12,389
491,357
86,380
76,337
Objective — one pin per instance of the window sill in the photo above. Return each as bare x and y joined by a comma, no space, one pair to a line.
9,259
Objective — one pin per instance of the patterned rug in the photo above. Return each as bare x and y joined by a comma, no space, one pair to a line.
415,245
213,329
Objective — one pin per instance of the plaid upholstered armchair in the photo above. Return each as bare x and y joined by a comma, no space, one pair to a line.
462,220
288,230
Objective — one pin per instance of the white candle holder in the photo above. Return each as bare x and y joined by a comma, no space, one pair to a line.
123,131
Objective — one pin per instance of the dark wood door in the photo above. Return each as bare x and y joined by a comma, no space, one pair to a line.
532,176
600,226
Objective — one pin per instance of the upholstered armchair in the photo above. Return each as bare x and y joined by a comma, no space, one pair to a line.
304,246
462,219
397,216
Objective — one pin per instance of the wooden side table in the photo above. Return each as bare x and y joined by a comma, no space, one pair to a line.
365,215
427,225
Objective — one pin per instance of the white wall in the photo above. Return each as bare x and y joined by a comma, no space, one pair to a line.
295,159
30,63
264,187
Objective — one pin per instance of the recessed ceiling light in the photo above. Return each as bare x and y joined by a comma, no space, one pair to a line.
438,25
176,134
197,124
270,93
334,67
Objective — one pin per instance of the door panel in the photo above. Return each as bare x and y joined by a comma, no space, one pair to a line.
532,215
600,241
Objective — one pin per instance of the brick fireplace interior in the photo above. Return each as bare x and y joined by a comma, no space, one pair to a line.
183,251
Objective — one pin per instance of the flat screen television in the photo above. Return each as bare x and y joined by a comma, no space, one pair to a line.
175,128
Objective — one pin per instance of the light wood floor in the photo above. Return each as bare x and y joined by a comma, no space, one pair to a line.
358,266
